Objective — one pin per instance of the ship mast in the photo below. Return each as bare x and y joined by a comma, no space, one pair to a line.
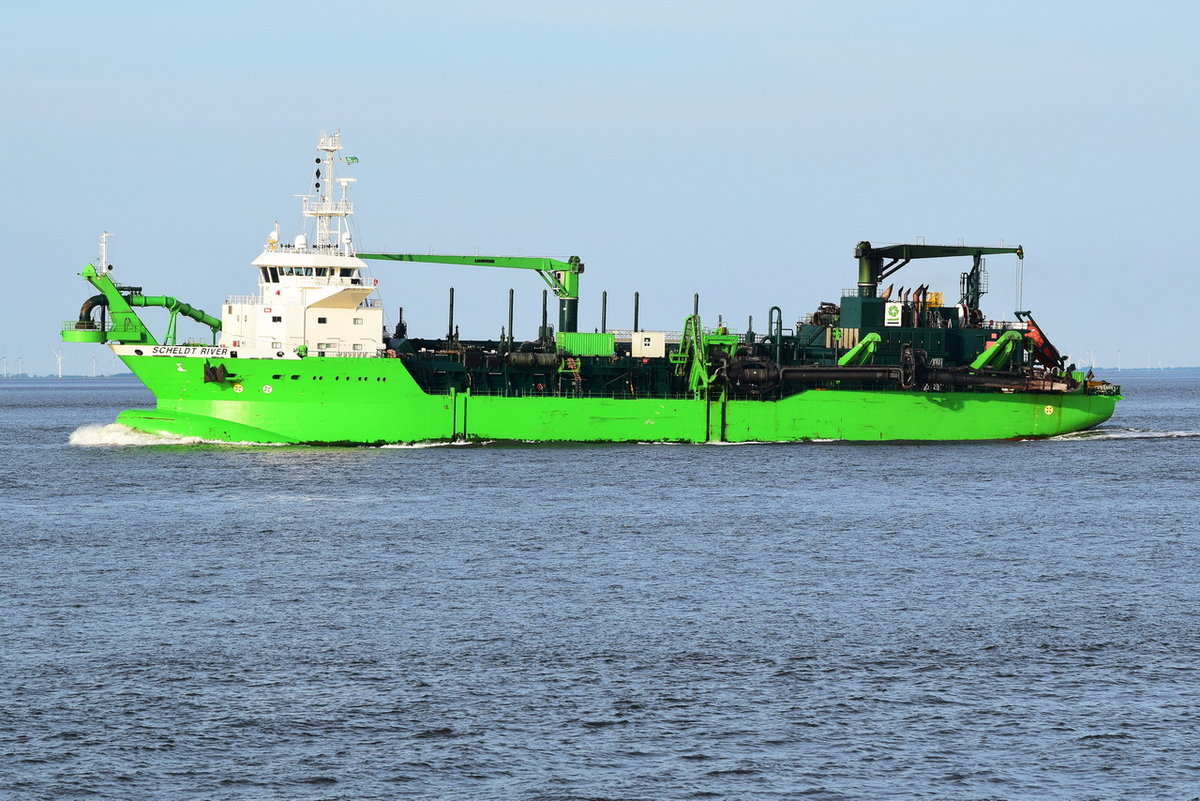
330,237
105,265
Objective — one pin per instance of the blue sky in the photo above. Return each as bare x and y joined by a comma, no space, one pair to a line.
738,150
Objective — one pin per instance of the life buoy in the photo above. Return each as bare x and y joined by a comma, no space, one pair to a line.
572,364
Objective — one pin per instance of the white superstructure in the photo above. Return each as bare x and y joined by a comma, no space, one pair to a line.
313,294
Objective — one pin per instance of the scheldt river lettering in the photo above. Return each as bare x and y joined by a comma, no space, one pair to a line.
172,350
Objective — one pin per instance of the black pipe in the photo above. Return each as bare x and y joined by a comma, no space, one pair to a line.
769,373
635,311
85,312
696,305
822,373
510,320
545,332
568,315
775,328
450,322
956,378
604,312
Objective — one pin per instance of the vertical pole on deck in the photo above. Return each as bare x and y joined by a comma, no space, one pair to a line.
509,345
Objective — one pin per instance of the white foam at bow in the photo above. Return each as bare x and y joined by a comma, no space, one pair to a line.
111,434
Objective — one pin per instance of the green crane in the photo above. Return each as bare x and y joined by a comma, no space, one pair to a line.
872,270
561,276
126,327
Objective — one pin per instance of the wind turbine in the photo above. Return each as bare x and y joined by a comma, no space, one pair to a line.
20,367
4,358
93,365
58,361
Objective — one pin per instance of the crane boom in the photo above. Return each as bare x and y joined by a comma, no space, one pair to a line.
872,270
561,276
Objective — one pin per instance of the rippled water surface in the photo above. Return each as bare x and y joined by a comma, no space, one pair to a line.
1012,620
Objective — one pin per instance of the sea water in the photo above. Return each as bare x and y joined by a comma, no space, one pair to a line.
998,620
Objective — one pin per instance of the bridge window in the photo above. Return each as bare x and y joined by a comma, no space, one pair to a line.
274,275
321,320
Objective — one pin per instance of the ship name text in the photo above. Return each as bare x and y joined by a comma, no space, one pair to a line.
189,350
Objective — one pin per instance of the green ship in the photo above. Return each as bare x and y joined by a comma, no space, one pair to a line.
304,361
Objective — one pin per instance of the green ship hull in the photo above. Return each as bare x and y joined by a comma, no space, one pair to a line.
376,401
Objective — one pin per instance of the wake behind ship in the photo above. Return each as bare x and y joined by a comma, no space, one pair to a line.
303,360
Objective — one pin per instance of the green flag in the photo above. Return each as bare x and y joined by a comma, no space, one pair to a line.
351,159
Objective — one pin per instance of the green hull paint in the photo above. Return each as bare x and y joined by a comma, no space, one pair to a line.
375,401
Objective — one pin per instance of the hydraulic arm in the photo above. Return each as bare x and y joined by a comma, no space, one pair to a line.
561,276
